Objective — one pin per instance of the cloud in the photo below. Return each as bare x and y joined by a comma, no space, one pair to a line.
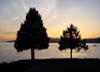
10,9
56,14
13,12
47,8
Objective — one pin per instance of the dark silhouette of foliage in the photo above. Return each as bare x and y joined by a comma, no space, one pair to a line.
32,34
71,39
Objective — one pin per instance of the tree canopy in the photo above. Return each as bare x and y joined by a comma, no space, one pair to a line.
32,33
71,39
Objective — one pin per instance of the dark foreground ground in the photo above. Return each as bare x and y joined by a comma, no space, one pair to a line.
52,65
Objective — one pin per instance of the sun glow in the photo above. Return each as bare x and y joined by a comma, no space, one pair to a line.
6,37
56,15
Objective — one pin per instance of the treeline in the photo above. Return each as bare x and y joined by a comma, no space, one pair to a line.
89,40
56,40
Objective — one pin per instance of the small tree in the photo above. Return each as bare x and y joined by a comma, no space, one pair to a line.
71,39
32,33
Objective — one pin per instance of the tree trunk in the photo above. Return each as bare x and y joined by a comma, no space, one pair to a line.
71,53
32,54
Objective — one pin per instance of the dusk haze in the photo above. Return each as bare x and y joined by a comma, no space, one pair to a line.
49,35
56,16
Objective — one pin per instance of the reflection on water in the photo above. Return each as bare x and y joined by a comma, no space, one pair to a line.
8,53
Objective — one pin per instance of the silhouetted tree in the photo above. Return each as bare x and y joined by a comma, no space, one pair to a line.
32,34
71,39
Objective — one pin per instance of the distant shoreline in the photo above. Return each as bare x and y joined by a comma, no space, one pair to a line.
49,42
56,40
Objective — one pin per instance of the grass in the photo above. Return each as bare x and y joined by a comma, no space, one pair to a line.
51,65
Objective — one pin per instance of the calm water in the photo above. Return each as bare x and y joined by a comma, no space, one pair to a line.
8,53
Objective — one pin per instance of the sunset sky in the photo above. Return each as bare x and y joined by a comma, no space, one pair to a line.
56,15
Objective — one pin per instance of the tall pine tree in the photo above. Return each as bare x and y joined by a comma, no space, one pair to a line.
32,34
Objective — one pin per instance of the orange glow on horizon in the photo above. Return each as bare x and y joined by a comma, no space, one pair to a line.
6,37
57,35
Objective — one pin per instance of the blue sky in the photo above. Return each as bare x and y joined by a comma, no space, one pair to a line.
56,15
